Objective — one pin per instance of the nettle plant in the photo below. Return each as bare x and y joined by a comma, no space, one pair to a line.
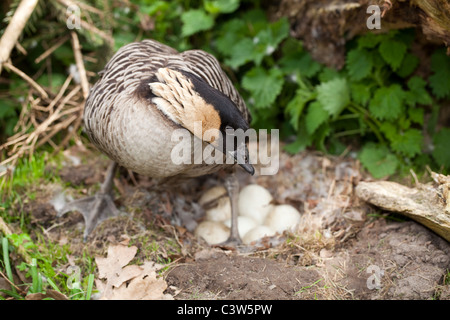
377,103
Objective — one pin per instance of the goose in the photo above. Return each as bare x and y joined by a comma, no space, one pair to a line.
146,92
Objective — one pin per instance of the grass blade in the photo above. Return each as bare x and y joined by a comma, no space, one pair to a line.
5,246
89,287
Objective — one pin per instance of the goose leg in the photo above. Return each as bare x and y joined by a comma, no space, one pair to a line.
97,208
232,187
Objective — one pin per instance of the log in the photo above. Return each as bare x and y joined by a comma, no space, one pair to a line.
426,204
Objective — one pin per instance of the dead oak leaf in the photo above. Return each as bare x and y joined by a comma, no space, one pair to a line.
118,257
146,286
128,281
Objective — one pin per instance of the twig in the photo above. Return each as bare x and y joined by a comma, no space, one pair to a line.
415,177
82,5
77,123
11,283
61,92
80,64
15,28
21,49
25,77
50,50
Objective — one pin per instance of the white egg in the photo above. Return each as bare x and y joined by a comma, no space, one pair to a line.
244,225
254,202
282,217
221,212
257,233
212,231
212,194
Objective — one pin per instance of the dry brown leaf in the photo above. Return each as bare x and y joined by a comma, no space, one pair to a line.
118,257
128,282
142,288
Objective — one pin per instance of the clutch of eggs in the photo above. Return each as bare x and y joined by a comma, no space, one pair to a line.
257,216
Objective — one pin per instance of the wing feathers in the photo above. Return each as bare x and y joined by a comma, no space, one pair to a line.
134,64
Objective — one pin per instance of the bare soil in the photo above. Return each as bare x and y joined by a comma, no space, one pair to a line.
343,248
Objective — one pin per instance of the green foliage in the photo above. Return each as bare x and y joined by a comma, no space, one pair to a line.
41,272
387,102
333,95
378,160
440,80
265,85
376,102
441,151
195,21
393,52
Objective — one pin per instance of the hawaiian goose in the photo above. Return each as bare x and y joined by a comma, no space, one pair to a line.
146,91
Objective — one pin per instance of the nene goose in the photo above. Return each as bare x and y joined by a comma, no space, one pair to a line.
145,92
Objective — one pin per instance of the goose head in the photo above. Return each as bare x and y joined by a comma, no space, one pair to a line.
206,112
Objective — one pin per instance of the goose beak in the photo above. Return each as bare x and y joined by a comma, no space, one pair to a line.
241,156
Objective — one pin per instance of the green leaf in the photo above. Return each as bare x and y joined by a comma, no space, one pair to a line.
300,61
279,31
370,40
303,140
408,143
291,46
320,135
298,145
315,116
241,54
416,115
378,160
231,33
441,150
334,95
221,6
417,93
389,130
295,107
393,52
409,64
359,64
328,74
267,40
360,93
264,85
195,20
387,102
256,19
440,84
440,80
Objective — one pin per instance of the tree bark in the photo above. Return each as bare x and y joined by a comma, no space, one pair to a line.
325,26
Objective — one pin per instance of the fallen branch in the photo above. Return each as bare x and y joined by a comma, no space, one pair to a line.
428,205
15,28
